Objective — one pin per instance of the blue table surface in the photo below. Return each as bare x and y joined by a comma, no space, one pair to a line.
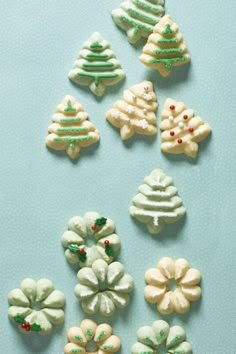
40,190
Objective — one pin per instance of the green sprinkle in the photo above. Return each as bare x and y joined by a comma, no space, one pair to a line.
89,333
79,338
100,336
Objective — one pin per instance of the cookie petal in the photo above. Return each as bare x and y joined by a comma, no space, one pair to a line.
175,337
154,277
154,294
167,267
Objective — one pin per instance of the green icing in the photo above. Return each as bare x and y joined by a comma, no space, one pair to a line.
148,339
168,30
148,352
141,16
73,140
173,341
168,62
79,338
100,221
168,51
97,76
100,336
70,120
97,56
19,319
176,351
109,251
167,40
107,347
137,26
96,45
35,327
148,7
162,334
72,130
89,333
76,350
69,107
88,65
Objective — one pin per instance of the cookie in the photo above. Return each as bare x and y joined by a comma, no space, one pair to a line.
161,336
182,130
157,202
90,337
103,288
138,18
36,306
84,229
136,112
172,286
71,129
165,47
97,66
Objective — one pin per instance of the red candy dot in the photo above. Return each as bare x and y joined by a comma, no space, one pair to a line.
93,227
172,107
23,325
172,133
185,116
106,243
179,141
191,130
81,251
27,329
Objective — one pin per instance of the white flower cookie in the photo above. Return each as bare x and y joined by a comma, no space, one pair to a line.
71,129
94,228
103,288
92,338
182,130
157,202
136,112
97,66
36,306
172,285
138,18
165,47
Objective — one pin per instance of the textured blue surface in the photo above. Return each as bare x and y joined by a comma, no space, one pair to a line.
41,190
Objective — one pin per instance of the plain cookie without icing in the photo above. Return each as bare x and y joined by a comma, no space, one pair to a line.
71,129
97,66
90,338
136,112
182,130
159,286
138,17
165,47
157,202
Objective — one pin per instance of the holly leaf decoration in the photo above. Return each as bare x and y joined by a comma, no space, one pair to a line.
101,221
19,319
109,251
73,248
35,327
82,257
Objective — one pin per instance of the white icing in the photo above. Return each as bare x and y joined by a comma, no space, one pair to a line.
143,123
148,96
130,109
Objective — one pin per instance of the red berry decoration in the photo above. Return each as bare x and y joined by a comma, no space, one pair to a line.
172,133
81,251
93,227
27,328
172,107
106,243
185,117
191,130
23,325
179,141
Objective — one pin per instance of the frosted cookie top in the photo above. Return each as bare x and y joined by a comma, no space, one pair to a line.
92,338
172,285
97,66
165,47
136,113
138,17
182,130
160,334
36,306
157,202
94,228
71,129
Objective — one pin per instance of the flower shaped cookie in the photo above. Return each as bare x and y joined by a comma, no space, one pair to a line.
36,306
95,228
92,338
150,338
167,275
103,287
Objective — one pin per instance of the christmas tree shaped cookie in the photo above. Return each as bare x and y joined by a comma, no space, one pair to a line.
136,112
138,17
165,47
71,129
157,202
97,66
181,129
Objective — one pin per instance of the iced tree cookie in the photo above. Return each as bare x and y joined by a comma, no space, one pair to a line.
136,112
157,202
182,130
92,227
36,306
165,47
92,338
172,285
97,66
138,17
71,130
160,335
103,288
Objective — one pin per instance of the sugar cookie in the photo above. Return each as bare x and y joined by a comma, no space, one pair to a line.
71,129
171,339
165,47
92,226
171,297
91,338
182,130
103,287
157,202
36,306
97,66
138,17
136,112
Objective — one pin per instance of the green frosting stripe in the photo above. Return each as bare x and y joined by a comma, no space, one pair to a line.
101,65
72,130
167,40
70,120
74,139
150,8
168,62
141,16
97,56
137,25
168,51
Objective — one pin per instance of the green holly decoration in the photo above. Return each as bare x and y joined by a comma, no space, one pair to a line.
81,252
108,249
19,319
26,325
101,221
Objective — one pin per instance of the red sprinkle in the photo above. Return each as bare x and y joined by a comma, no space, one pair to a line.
172,107
172,133
93,227
81,251
191,130
179,141
185,116
27,329
24,325
106,243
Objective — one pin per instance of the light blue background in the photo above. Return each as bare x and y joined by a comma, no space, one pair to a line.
41,190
